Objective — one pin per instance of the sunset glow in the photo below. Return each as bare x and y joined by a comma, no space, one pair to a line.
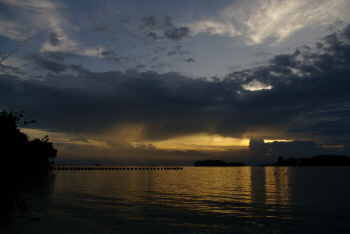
201,142
140,82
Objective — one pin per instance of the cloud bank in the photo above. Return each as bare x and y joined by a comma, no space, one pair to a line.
307,96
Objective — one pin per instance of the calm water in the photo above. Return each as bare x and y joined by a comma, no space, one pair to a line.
192,200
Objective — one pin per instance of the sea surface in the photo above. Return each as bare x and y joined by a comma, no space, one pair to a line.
192,200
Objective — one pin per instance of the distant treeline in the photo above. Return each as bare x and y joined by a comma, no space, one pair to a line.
318,160
216,163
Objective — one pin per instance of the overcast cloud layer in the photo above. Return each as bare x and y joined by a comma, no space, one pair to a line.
301,95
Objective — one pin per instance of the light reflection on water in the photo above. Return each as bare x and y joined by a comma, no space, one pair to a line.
194,200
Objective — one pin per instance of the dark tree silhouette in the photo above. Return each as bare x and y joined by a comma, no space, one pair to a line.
326,160
318,160
216,163
280,160
18,152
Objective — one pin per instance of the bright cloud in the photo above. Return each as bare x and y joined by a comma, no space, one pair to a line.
201,142
278,19
32,17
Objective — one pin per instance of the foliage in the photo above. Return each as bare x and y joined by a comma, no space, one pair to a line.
318,160
326,160
216,163
18,152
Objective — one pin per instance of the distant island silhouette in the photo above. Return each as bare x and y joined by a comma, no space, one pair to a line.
216,163
318,160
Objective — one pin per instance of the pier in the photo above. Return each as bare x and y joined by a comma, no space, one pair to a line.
112,168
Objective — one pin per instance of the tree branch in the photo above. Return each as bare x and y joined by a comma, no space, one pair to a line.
4,55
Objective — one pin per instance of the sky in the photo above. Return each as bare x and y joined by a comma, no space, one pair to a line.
173,82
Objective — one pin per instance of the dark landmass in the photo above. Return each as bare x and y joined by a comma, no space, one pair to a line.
318,160
216,163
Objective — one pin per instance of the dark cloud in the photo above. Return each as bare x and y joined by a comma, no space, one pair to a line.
115,39
296,149
307,99
149,22
285,60
54,39
160,66
102,29
326,124
46,64
139,156
113,57
60,56
29,41
127,21
9,70
154,59
108,53
257,147
154,29
346,32
79,69
261,152
177,51
190,60
140,67
153,36
262,54
177,34
159,50
167,22
319,45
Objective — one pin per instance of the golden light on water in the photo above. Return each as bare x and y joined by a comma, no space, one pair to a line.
220,190
277,185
